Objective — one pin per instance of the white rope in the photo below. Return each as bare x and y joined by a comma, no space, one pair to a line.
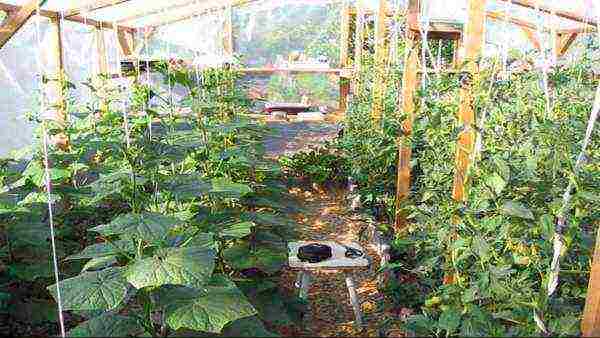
581,159
48,182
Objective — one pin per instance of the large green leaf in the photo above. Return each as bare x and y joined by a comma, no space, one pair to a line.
266,258
28,233
147,226
220,303
106,325
239,230
225,188
516,209
104,249
190,266
37,174
98,290
186,187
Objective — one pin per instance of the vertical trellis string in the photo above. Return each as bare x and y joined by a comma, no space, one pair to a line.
48,182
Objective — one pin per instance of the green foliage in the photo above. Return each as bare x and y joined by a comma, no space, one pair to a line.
150,220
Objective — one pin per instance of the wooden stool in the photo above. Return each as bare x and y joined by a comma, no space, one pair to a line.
338,261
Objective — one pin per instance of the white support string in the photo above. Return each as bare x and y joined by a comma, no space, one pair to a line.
48,182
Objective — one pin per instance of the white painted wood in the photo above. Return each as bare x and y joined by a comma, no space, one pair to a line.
354,300
304,284
337,261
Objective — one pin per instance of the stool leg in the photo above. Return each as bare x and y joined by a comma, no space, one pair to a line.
354,300
304,284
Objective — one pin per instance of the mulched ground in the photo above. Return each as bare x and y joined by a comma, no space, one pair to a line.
326,216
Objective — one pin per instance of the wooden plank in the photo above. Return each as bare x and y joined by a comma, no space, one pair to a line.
502,17
549,10
16,20
532,37
590,323
228,31
473,40
143,14
77,18
344,54
195,13
359,42
126,43
409,88
93,6
379,86
563,42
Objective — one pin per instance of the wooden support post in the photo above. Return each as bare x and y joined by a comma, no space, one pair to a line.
409,88
590,324
354,300
473,38
56,109
125,42
563,42
304,284
16,20
344,55
359,41
530,34
379,86
228,31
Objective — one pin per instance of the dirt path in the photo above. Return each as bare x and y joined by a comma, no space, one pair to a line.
326,217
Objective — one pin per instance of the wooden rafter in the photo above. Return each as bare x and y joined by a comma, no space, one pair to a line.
502,17
156,11
531,36
77,18
201,11
94,6
548,10
125,43
16,20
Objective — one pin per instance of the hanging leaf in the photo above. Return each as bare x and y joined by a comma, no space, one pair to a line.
190,266
516,209
37,174
98,290
39,198
239,230
147,226
225,188
107,325
104,249
99,263
185,187
265,258
220,303
496,183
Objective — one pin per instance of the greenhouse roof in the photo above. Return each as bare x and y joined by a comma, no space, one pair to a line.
142,13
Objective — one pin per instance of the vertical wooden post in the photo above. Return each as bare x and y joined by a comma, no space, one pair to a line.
54,74
590,324
473,39
56,109
359,41
344,58
409,88
228,31
379,86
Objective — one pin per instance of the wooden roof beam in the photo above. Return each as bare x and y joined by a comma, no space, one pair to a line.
157,11
502,17
77,18
96,5
16,20
202,11
548,10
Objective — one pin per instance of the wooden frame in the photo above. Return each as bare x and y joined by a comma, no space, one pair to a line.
16,19
98,4
379,86
345,18
563,14
474,37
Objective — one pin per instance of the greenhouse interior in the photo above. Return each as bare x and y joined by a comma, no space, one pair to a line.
299,168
